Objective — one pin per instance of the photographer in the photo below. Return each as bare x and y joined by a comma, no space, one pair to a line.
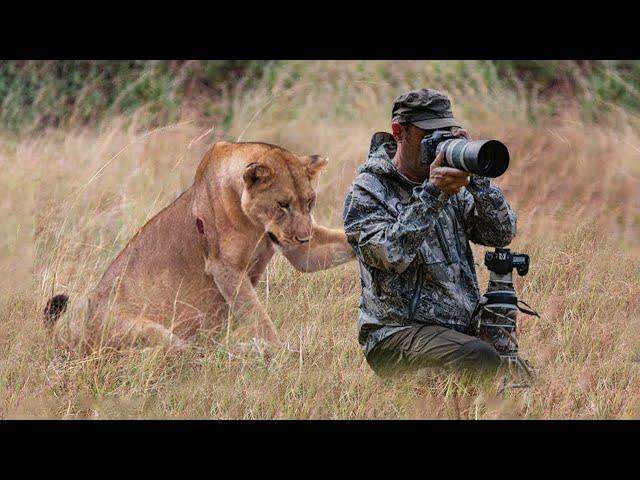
410,225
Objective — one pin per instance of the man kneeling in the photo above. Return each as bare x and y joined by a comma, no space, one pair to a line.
410,227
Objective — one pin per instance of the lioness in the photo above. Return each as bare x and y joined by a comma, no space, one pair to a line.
199,259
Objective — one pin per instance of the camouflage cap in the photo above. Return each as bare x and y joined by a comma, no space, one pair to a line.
426,108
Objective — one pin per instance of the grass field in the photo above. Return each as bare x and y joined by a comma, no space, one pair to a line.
73,196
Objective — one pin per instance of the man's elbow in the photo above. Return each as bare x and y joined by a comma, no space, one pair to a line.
507,234
502,241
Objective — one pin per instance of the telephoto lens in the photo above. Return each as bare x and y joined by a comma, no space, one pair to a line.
489,158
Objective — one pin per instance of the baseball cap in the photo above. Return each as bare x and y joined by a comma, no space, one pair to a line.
426,108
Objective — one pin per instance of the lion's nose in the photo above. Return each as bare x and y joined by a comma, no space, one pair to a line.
303,240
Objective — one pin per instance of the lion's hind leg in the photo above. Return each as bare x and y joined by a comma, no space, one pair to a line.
139,330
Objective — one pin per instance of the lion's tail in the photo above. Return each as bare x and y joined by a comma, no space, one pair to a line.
56,306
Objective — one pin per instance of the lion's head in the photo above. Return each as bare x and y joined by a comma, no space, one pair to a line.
274,188
278,194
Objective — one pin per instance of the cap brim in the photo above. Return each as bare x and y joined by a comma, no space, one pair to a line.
434,123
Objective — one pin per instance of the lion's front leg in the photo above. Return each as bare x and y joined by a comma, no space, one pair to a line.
237,289
327,248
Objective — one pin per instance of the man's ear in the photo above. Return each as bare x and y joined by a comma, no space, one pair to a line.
257,174
313,165
397,132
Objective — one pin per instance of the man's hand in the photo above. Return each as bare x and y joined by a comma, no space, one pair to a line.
447,179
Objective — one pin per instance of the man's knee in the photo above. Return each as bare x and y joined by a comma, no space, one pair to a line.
480,355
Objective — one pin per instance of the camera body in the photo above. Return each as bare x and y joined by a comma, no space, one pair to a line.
489,158
502,261
429,145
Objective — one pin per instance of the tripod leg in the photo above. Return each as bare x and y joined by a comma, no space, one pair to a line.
525,370
517,370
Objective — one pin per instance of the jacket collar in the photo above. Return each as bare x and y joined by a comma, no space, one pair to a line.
381,150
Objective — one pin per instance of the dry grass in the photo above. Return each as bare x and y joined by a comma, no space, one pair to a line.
73,198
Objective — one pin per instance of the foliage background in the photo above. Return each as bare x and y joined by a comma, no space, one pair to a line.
43,93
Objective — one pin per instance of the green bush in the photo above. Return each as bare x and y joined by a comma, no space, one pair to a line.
597,85
36,94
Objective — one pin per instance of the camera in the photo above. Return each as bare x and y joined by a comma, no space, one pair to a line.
489,158
502,261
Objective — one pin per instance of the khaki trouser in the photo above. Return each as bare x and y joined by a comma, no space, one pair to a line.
432,346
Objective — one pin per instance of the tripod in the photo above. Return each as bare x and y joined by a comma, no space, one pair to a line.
498,309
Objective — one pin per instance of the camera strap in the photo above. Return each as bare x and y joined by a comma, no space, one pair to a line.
481,303
506,298
528,310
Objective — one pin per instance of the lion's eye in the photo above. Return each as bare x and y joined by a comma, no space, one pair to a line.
311,202
284,205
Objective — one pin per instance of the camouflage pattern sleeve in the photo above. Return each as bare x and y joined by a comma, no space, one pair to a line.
384,234
489,219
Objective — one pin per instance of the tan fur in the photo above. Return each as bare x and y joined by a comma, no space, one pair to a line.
171,281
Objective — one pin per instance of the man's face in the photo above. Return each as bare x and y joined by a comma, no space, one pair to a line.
411,137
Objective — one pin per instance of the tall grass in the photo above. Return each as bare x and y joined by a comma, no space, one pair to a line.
75,195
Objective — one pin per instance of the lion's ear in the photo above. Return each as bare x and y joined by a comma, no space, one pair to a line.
257,174
314,164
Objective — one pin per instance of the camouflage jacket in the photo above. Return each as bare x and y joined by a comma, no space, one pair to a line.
412,244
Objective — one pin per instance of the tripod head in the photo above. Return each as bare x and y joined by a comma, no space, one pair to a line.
502,262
